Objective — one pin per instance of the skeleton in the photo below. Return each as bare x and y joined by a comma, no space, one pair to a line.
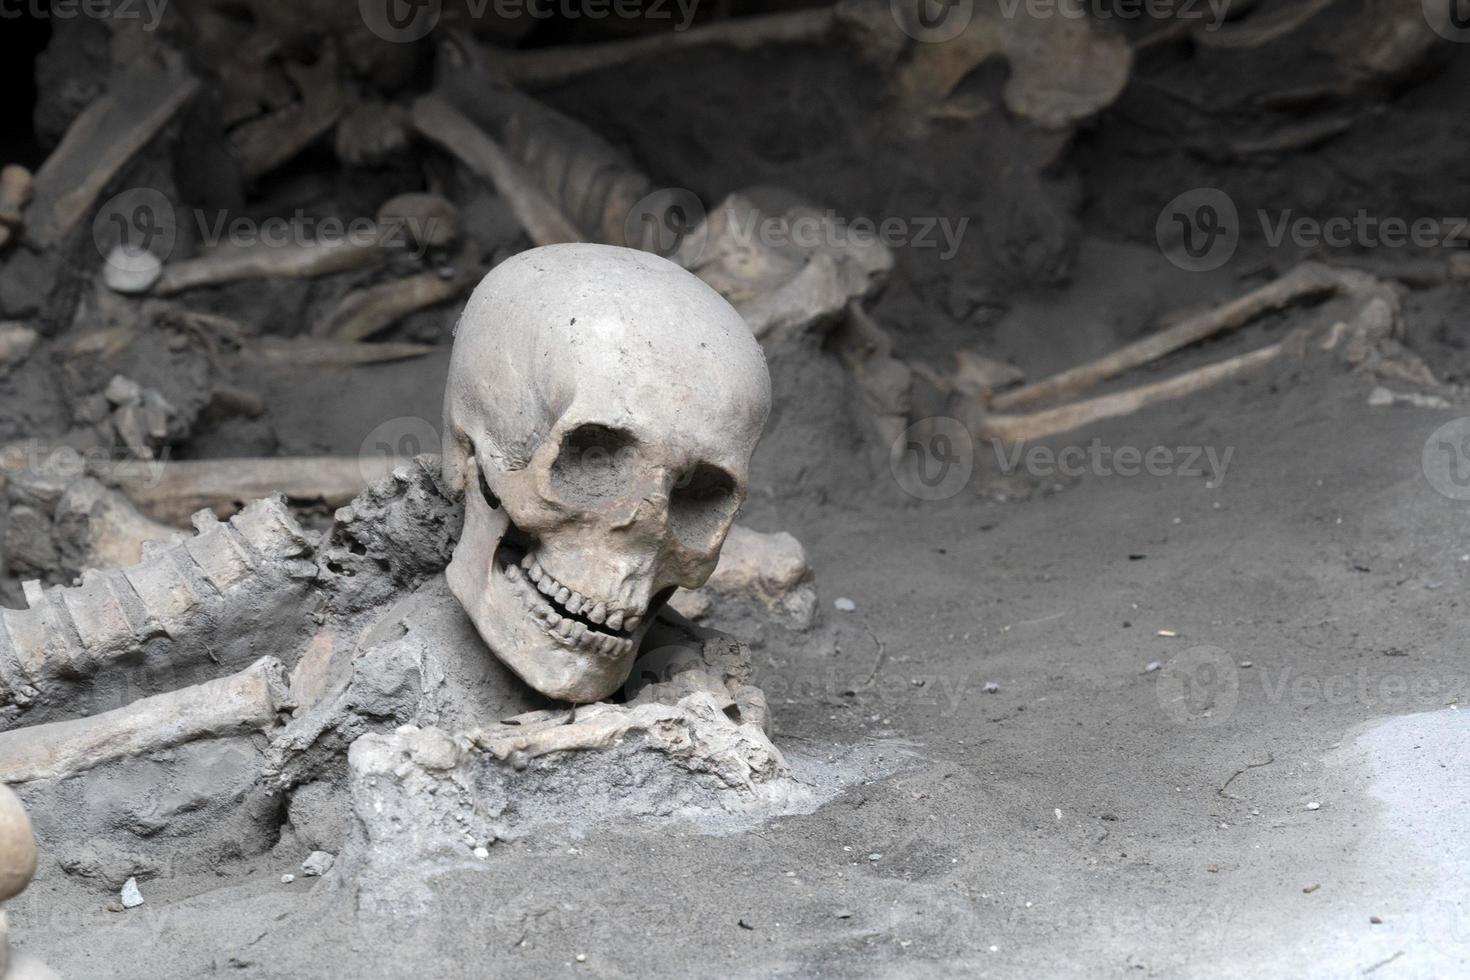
602,408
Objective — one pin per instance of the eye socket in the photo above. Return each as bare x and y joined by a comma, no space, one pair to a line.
702,500
594,464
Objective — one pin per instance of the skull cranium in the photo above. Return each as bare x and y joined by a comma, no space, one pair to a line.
601,411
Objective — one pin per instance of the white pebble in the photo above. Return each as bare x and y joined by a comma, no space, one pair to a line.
581,957
991,687
482,852
844,604
876,855
129,269
286,879
130,895
1153,665
1314,805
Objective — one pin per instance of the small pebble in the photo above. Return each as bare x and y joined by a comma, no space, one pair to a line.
581,957
876,855
482,852
286,879
1152,666
1246,665
1310,888
991,687
130,896
1314,805
844,604
1167,633
1375,920
843,913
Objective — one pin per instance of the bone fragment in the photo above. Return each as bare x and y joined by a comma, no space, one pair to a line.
1276,21
265,143
326,352
768,569
17,849
171,491
1065,418
248,701
1306,280
261,260
102,139
16,185
16,343
439,121
426,219
365,312
550,65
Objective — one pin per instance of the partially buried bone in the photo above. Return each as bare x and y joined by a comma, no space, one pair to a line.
172,490
17,868
101,141
768,570
251,700
1371,346
17,341
16,185
262,260
369,311
1062,70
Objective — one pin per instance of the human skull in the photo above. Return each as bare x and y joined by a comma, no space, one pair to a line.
601,411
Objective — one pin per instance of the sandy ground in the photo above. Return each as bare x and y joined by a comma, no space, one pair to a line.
1224,739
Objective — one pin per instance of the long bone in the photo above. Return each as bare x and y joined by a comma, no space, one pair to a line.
1304,282
100,142
251,700
1371,345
